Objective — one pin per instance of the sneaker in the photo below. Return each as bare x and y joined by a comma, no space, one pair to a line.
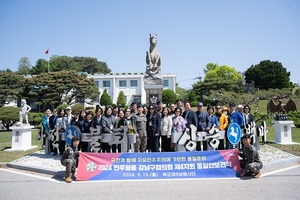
257,175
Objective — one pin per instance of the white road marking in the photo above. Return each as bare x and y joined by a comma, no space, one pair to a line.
279,170
31,175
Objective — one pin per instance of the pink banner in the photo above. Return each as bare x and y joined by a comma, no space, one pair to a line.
167,165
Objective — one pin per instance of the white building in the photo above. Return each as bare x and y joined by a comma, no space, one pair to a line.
132,84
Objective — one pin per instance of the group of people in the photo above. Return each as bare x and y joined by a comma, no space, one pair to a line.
153,126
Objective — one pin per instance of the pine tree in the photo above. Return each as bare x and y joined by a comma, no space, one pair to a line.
121,101
105,99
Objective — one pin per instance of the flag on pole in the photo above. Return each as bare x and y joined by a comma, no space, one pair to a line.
47,51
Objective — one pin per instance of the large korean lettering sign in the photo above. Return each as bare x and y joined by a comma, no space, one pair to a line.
179,165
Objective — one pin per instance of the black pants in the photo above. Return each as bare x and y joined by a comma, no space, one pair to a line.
105,148
84,146
114,148
62,147
165,144
221,145
198,146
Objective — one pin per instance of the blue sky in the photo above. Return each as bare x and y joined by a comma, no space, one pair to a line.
191,33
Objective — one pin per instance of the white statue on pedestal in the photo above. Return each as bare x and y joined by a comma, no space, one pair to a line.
24,110
152,75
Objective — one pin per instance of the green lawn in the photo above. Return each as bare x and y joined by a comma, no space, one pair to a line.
290,148
5,143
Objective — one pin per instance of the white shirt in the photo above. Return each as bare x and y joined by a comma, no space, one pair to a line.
166,125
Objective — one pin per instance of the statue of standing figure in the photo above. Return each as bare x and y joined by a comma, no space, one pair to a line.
153,61
24,110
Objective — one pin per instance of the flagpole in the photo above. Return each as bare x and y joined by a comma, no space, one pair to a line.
46,52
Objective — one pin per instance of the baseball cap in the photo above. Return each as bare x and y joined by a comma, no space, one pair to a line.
68,108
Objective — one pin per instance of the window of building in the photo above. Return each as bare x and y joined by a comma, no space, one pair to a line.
166,83
106,83
133,83
122,83
97,83
137,99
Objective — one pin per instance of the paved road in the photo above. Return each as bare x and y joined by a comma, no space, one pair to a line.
280,184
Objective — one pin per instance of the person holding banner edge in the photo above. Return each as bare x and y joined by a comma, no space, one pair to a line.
69,159
251,163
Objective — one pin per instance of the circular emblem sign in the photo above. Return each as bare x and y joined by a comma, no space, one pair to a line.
234,133
70,133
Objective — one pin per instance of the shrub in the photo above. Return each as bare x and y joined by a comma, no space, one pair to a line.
77,107
9,115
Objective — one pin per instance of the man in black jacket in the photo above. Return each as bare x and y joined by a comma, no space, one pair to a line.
189,115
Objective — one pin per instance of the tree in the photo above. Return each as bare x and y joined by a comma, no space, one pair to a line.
224,72
226,98
6,70
182,94
105,99
91,65
77,107
56,88
11,84
24,66
192,97
79,64
205,87
9,115
121,99
210,66
220,78
168,96
40,67
268,74
61,63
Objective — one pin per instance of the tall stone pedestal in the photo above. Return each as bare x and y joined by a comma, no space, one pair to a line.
153,93
283,133
21,138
